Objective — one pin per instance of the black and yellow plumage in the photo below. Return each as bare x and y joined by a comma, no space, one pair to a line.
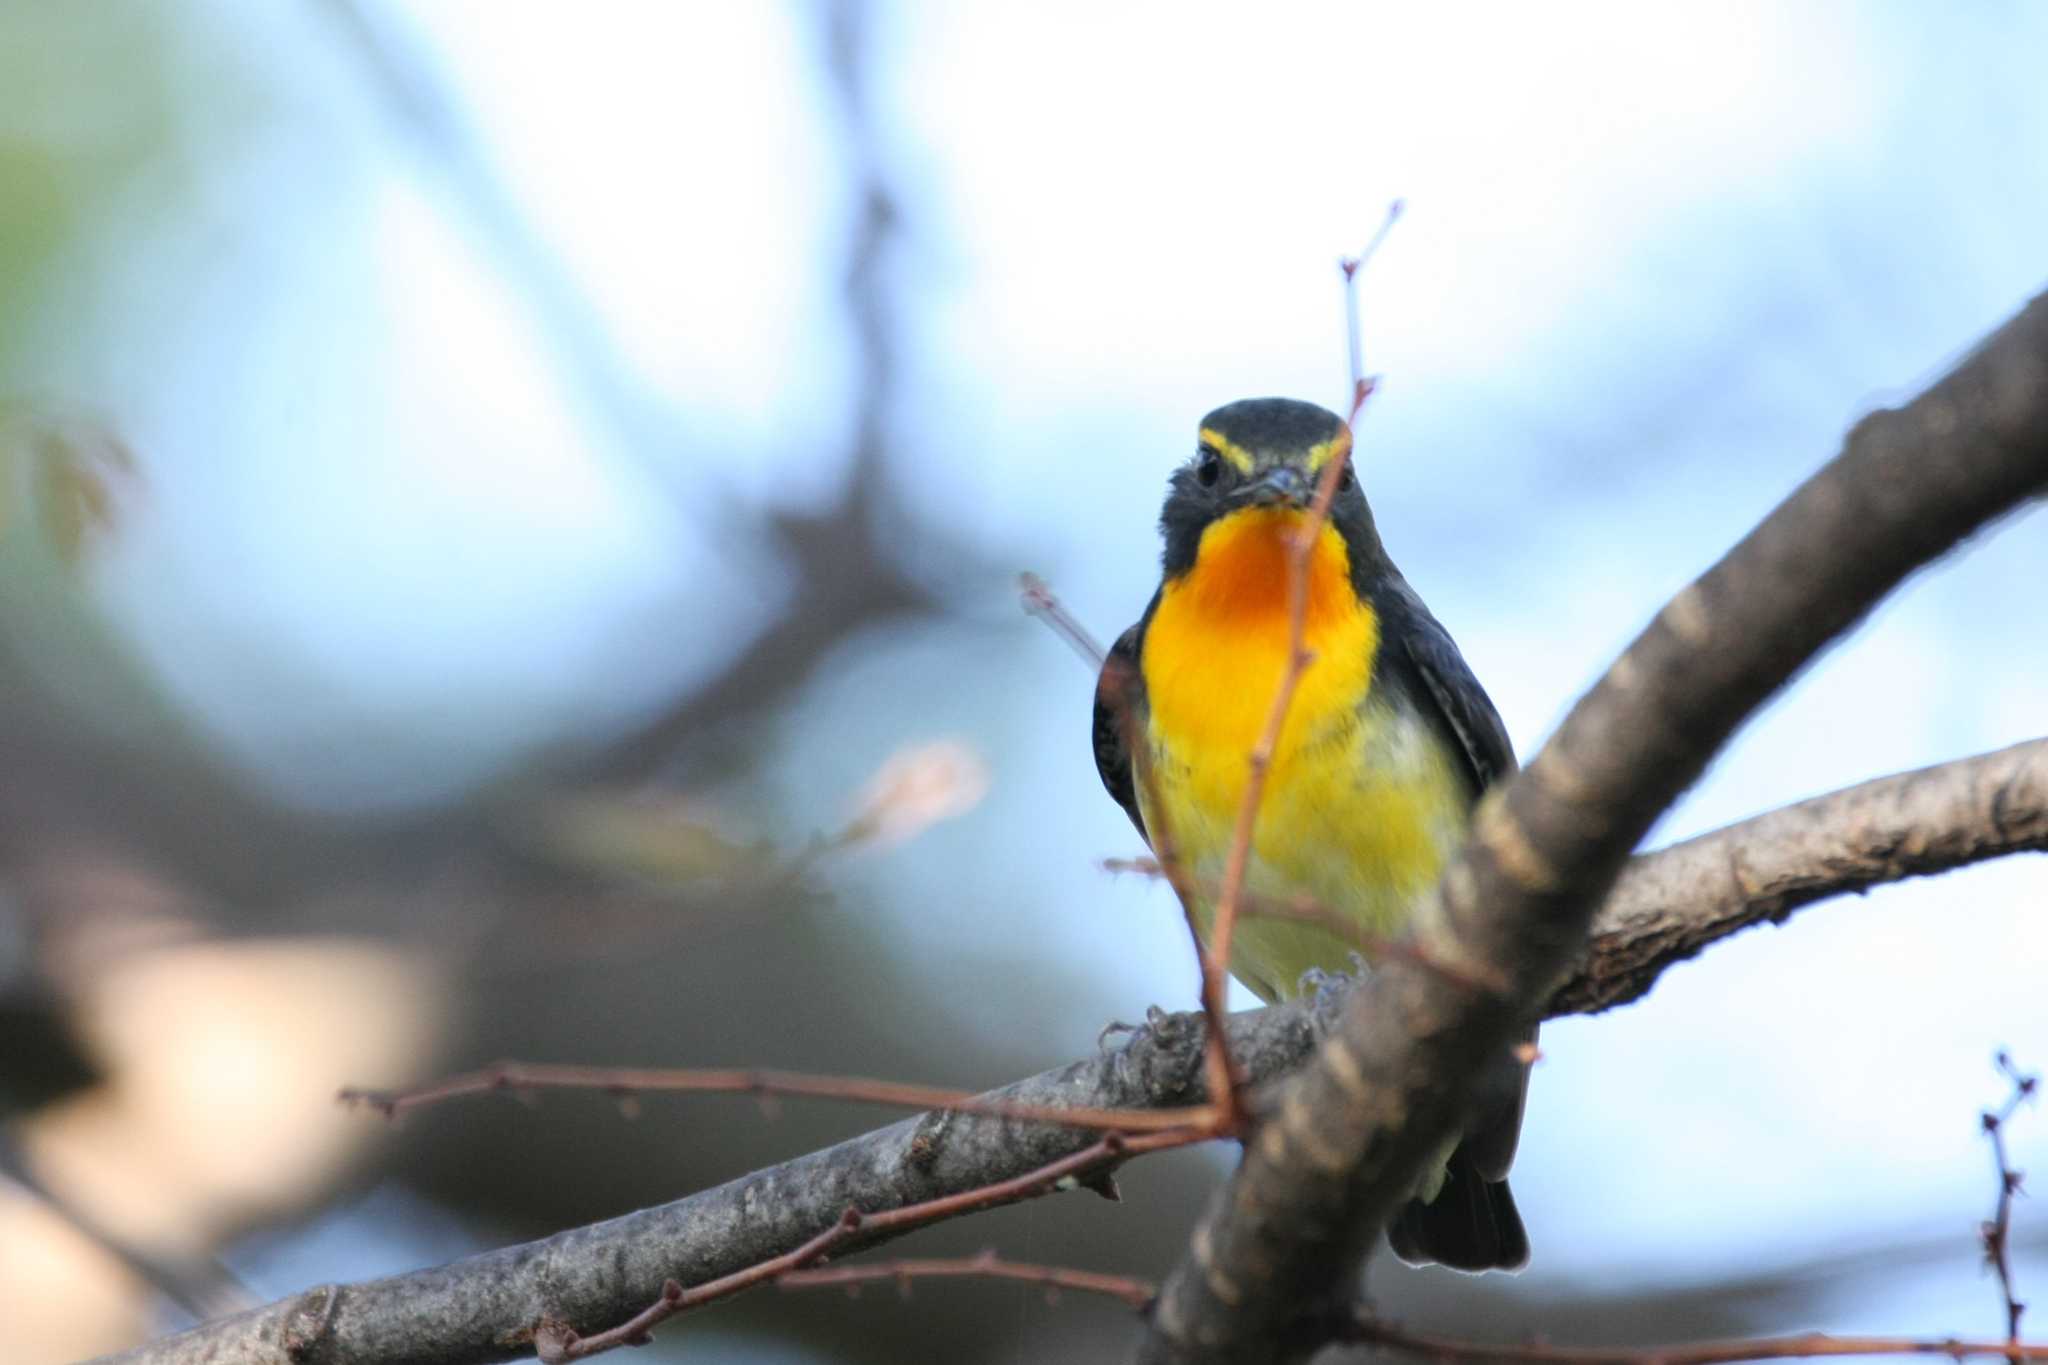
1386,748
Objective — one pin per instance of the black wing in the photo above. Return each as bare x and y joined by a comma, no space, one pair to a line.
1435,673
1119,712
1442,684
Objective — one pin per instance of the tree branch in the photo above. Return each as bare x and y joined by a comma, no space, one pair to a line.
559,1341
485,1308
1372,1331
1806,1346
1134,1293
1278,1253
1668,905
473,1310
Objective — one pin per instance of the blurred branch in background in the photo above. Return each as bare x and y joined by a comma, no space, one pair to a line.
846,578
140,862
404,80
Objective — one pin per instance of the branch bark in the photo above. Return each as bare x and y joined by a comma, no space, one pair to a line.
1666,907
485,1308
1274,1264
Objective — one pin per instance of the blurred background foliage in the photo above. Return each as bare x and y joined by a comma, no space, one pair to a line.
508,517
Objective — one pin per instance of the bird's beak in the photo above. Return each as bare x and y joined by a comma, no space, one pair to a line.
1280,486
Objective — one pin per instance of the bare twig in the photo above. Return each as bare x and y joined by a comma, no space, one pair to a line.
1215,955
556,1341
1039,601
985,1266
1369,1331
1305,535
1805,1346
1227,1083
1361,386
1226,1076
1227,1080
1997,1232
628,1083
1117,680
1260,761
1305,909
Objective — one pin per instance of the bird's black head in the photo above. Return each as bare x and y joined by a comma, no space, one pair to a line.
1264,452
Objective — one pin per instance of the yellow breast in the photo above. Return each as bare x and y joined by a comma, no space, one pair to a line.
1362,804
1217,646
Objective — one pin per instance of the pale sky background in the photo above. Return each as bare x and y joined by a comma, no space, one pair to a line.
1654,261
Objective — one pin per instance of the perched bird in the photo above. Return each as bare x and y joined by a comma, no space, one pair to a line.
1386,748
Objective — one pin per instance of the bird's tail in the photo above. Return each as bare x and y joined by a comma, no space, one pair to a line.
1472,1223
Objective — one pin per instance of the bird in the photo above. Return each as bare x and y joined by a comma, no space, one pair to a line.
1386,748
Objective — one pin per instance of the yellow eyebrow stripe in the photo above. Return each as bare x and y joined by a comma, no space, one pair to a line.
1228,449
1321,454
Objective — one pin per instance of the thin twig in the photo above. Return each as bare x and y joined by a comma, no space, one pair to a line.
1260,761
1997,1233
1306,909
1299,656
1225,1076
627,1083
556,1342
1226,1079
986,1266
1805,1346
1117,679
1039,601
1139,1294
1361,387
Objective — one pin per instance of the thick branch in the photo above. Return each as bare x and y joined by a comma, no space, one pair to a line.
484,1308
1278,1253
1668,905
1679,900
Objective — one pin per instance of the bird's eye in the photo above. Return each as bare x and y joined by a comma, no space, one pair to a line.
1209,470
1345,481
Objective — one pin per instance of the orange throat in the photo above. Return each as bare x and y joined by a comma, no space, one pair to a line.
1217,645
